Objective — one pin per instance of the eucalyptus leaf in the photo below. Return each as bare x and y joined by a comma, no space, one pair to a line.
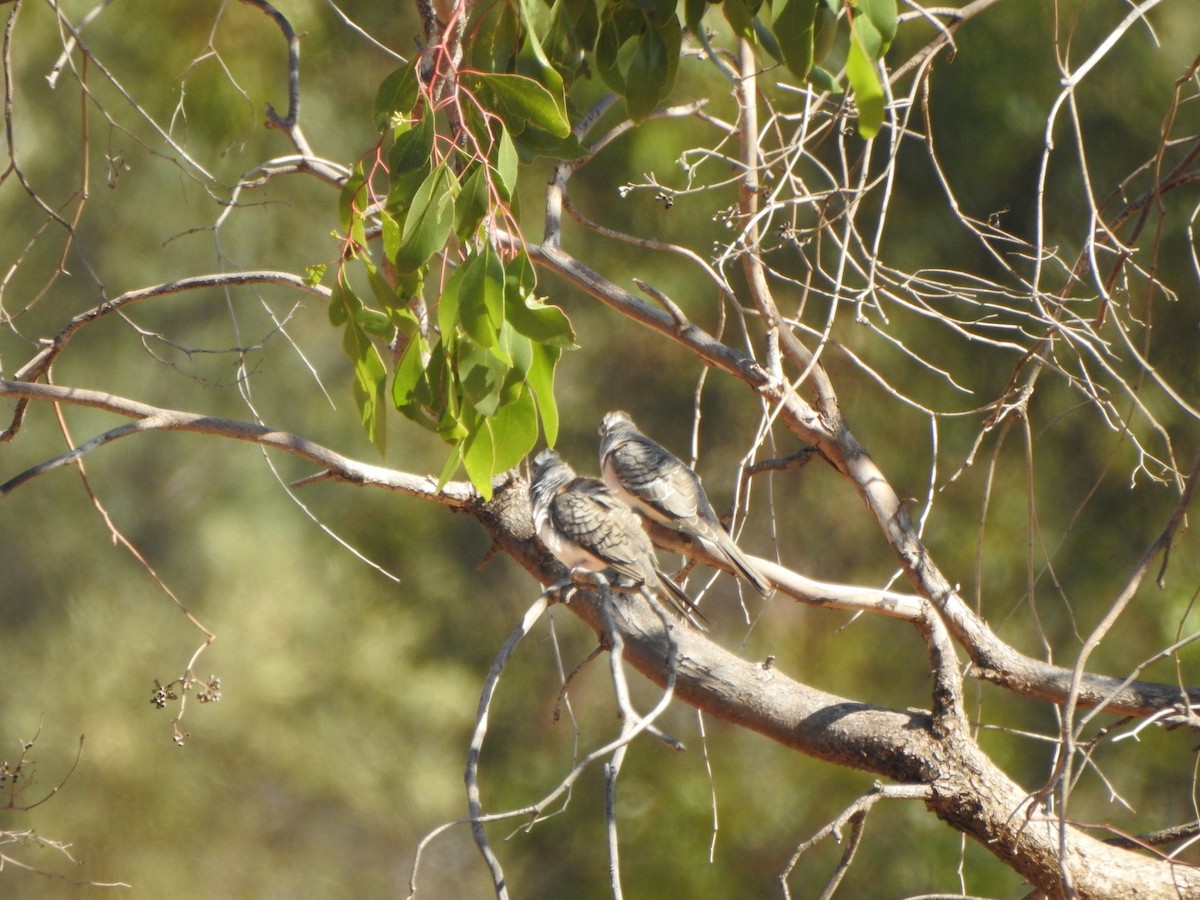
514,431
522,102
541,381
864,80
479,458
429,220
397,94
795,27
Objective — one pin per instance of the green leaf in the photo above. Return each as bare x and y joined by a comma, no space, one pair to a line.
882,14
472,203
652,69
479,458
519,349
314,273
506,164
863,78
495,27
824,80
370,381
693,11
345,298
541,381
867,35
739,17
795,26
397,94
337,311
375,322
536,17
571,32
659,12
514,432
453,461
412,149
410,160
380,289
410,371
533,142
482,376
448,312
618,23
532,61
390,230
521,102
429,221
824,31
541,322
438,391
766,39
406,322
353,197
481,297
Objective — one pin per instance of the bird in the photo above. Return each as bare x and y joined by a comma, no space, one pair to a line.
664,489
585,525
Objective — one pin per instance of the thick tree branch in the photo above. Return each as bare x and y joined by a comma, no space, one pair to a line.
993,660
967,790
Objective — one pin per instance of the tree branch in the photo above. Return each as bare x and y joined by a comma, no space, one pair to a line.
454,494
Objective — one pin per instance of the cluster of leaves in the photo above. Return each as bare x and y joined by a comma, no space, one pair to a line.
473,348
474,361
803,33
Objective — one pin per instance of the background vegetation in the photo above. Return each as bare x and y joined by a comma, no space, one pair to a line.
348,677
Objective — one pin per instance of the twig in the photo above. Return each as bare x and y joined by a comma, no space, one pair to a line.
471,776
37,367
289,124
1156,838
855,816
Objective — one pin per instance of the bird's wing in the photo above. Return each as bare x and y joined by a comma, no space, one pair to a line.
603,528
657,479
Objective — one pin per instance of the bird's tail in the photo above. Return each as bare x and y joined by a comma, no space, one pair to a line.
745,568
682,603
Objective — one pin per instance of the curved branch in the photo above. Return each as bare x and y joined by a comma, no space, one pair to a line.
966,789
289,124
752,263
992,659
455,494
40,364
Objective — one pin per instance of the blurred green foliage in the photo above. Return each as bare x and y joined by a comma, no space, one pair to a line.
348,697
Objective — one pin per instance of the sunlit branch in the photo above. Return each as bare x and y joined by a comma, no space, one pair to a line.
342,468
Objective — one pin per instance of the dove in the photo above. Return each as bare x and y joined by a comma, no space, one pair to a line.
663,488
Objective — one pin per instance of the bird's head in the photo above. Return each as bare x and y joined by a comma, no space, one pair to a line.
616,421
549,472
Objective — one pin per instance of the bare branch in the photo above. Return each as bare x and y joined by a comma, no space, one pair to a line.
453,494
40,364
289,124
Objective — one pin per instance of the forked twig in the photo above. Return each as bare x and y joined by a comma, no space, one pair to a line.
854,816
